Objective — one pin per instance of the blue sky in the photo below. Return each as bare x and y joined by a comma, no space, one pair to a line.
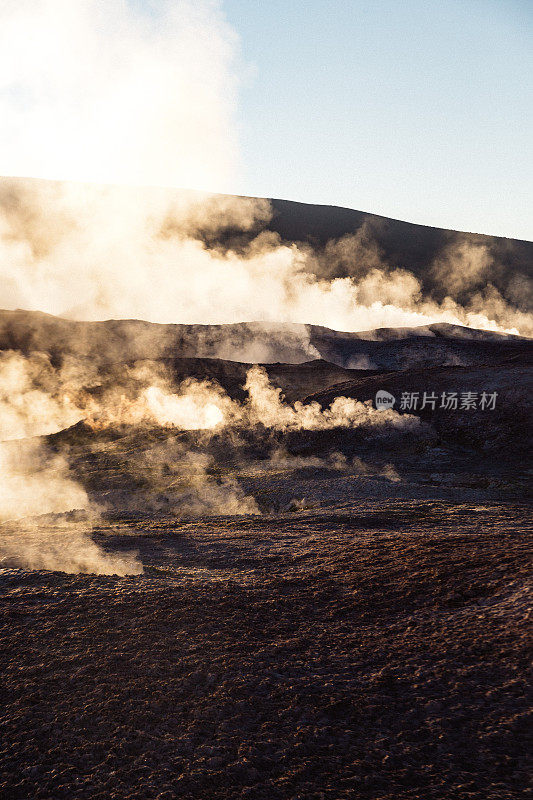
416,110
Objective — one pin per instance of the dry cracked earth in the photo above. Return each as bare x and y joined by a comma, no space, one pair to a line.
370,649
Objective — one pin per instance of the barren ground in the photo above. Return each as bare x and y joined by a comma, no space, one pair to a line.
365,634
372,649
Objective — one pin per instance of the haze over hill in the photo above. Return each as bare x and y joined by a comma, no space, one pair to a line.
95,252
427,252
121,341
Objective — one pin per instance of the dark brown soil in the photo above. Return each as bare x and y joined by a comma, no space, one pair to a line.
376,651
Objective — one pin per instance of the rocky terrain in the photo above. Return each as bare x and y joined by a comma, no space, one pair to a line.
119,341
374,649
281,606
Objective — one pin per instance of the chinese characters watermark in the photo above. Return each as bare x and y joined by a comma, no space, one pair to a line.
448,401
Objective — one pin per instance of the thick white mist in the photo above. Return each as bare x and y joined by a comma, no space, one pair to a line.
100,90
96,252
117,92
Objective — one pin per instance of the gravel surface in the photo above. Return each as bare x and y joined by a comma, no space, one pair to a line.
373,651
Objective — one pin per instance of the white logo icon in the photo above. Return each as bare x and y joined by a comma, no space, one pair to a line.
384,400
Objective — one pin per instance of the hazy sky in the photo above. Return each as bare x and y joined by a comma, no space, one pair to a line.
420,109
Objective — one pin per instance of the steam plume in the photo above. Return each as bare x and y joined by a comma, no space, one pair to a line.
117,92
145,94
93,252
35,484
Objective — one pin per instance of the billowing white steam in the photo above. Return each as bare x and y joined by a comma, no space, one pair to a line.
266,407
144,93
34,400
93,252
117,91
35,484
29,402
203,405
99,90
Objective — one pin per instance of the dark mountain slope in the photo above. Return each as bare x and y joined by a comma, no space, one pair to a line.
505,430
446,262
129,340
410,246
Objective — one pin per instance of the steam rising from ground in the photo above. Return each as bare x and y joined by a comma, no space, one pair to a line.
93,252
190,485
35,484
32,401
203,405
266,407
37,399
144,93
100,91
